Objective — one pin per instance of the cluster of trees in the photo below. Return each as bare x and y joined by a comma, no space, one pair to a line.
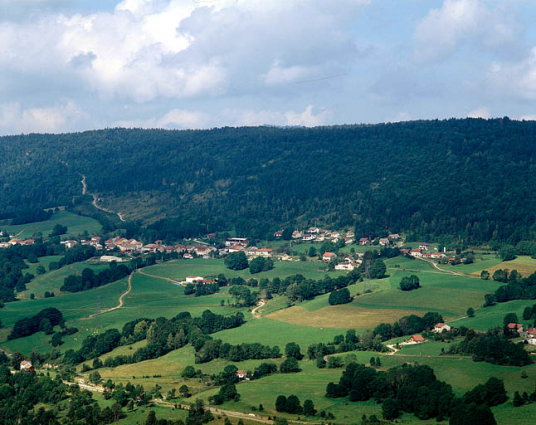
492,347
343,344
410,283
341,296
57,337
25,216
260,264
89,280
93,346
45,320
415,389
407,325
292,404
522,399
517,288
216,349
58,230
201,289
163,335
281,159
22,392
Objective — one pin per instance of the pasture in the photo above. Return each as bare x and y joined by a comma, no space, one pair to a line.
523,264
76,225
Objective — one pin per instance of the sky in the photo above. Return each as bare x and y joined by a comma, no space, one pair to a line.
73,65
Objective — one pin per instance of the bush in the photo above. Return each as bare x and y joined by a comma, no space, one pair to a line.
290,365
236,261
341,296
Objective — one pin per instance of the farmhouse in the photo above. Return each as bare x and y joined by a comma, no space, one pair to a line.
235,248
345,266
194,279
384,241
152,247
515,327
350,234
26,365
424,246
315,230
16,241
69,244
394,236
530,336
416,339
284,257
237,241
363,241
265,252
4,245
296,234
348,241
441,327
416,252
242,374
110,258
308,237
329,256
278,234
188,256
202,250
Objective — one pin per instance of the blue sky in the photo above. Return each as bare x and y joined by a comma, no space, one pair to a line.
71,65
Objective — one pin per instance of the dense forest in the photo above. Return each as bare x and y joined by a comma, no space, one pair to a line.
472,178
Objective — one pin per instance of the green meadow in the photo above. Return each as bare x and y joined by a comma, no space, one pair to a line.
76,225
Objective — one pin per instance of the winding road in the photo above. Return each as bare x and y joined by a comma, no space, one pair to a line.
95,199
121,298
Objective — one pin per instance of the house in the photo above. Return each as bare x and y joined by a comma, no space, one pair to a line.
363,241
441,327
237,241
242,374
194,279
28,242
26,365
284,257
69,244
416,339
16,241
321,238
151,247
110,258
95,240
4,245
329,256
211,236
314,230
350,234
296,234
345,266
335,235
416,252
265,252
424,246
515,327
278,234
188,256
404,251
394,236
348,241
530,336
308,237
235,248
251,251
384,241
202,250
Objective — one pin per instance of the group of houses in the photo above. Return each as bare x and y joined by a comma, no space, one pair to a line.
315,234
528,335
15,241
438,328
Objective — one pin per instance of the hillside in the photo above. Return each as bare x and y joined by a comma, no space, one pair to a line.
471,178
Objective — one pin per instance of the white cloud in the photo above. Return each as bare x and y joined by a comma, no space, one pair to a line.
481,112
515,79
443,30
60,118
182,119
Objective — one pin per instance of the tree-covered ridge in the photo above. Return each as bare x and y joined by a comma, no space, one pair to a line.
472,177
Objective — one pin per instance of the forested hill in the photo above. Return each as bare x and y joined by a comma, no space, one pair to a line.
470,178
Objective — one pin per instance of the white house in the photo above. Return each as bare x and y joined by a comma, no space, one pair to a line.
384,241
26,365
329,256
345,266
193,279
424,246
110,258
441,327
530,336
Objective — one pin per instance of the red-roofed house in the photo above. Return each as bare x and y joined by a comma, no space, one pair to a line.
517,327
329,256
441,327
530,337
417,339
363,241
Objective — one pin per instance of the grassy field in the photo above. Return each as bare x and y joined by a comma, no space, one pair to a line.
179,269
76,225
523,264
